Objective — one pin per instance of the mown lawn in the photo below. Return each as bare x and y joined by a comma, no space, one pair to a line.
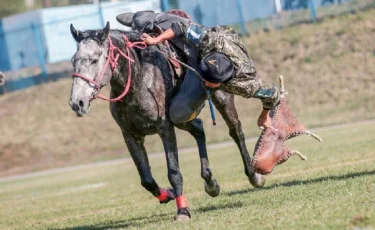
334,189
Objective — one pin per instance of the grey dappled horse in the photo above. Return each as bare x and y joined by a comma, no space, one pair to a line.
144,110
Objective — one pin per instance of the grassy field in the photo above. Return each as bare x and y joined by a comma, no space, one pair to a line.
333,189
329,74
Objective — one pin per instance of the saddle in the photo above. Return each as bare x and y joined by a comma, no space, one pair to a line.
270,149
179,13
171,53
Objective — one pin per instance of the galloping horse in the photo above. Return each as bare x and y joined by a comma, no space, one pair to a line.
147,79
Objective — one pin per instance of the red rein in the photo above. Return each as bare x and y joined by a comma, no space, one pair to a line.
113,60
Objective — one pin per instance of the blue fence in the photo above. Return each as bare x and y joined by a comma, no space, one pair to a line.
240,12
35,45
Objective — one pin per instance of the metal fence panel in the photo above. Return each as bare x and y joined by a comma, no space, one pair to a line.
226,12
56,23
4,59
20,40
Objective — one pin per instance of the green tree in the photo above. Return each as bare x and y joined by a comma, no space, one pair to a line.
11,7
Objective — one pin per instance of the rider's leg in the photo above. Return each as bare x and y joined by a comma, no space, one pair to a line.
189,100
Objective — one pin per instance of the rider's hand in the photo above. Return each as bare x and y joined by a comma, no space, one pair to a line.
264,119
148,39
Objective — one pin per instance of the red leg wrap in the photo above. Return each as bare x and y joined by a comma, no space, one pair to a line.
181,202
163,194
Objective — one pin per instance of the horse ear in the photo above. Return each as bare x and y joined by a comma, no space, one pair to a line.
103,34
75,33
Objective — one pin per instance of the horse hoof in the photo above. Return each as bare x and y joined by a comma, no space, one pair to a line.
257,180
183,214
181,218
168,195
212,189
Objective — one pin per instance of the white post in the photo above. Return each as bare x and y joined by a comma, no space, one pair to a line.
278,6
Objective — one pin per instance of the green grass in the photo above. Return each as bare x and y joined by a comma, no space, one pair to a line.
333,189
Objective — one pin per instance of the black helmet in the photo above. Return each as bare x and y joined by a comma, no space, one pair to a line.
216,67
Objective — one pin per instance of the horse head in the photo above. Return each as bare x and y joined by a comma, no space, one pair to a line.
89,62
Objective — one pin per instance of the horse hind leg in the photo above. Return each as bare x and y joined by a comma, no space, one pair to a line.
139,156
168,137
224,103
195,128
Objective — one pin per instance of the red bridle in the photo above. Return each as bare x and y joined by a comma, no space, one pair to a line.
113,60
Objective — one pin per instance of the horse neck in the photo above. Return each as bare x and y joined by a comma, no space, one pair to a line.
120,75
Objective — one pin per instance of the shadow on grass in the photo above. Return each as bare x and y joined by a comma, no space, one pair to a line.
216,207
126,223
152,219
304,182
144,220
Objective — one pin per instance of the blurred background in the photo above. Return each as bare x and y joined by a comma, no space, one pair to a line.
324,48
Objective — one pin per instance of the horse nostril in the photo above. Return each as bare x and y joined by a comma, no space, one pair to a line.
75,107
81,104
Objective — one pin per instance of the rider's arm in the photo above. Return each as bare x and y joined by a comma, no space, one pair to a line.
250,85
270,97
177,29
268,94
166,35
264,119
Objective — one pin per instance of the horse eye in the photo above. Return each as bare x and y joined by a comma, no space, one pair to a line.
94,61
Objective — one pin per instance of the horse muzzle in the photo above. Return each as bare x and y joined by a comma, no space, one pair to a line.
80,107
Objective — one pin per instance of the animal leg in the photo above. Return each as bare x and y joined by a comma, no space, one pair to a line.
224,103
138,153
168,136
195,128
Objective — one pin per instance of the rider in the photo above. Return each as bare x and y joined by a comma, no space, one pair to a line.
145,21
224,63
190,99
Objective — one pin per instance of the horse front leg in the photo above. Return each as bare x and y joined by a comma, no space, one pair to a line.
224,103
168,136
138,153
195,128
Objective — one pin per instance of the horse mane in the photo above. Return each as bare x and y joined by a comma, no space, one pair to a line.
132,35
117,39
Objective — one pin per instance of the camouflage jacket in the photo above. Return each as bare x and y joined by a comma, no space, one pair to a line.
223,39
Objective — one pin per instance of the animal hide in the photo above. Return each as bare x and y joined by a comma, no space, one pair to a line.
270,149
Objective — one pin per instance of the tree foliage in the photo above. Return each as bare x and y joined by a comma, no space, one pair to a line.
9,7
